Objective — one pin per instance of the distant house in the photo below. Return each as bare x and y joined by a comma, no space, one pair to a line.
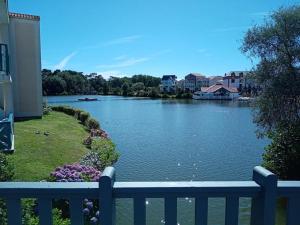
168,83
214,80
194,82
180,85
239,80
216,92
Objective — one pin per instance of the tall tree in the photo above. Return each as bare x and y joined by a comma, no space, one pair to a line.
276,46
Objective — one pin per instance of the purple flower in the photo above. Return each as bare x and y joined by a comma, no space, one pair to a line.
89,205
75,173
94,221
86,212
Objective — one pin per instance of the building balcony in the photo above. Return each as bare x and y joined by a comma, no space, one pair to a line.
6,132
4,64
264,190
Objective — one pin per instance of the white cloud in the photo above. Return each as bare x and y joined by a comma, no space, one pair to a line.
123,40
118,41
121,57
124,63
111,73
63,63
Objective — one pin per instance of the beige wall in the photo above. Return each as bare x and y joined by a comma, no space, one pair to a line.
25,63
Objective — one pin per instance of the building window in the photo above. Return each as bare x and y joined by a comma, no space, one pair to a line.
232,80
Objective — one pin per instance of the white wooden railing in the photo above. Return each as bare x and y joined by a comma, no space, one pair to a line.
264,191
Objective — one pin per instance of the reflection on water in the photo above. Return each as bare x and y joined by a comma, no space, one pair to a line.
179,140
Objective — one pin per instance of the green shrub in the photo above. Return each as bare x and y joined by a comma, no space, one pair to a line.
6,174
91,123
65,109
6,168
83,117
57,219
282,156
77,113
103,153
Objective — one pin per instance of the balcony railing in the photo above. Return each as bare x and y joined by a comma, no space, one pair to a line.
4,59
264,190
7,133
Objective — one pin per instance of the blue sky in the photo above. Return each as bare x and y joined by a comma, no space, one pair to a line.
155,37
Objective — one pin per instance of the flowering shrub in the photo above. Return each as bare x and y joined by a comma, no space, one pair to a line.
99,133
88,141
103,153
92,159
75,173
91,212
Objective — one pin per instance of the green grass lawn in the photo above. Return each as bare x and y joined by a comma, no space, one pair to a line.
36,155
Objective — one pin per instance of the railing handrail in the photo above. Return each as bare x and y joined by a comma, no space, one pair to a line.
129,189
264,191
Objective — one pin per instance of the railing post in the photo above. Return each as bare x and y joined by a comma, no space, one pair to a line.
106,200
264,206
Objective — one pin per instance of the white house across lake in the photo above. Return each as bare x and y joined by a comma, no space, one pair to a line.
216,92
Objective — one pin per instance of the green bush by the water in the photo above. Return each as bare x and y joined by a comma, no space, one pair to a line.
82,116
91,123
103,153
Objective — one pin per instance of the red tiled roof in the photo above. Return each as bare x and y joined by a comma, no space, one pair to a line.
216,87
23,16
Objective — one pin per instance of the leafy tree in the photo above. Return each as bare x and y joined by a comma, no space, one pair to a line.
276,46
125,89
105,88
54,85
138,86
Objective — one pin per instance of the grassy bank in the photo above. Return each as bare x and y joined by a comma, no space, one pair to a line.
38,154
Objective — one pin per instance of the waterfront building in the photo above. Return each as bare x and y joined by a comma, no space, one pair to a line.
20,68
180,85
214,80
239,80
194,82
168,83
216,92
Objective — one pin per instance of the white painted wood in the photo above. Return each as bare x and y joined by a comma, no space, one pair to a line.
14,211
171,211
263,207
139,211
106,200
232,211
264,189
293,211
45,211
76,207
201,210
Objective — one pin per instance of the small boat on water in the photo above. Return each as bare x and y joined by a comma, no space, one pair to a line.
87,99
245,99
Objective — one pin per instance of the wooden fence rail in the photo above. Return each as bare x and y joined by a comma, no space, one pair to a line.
264,190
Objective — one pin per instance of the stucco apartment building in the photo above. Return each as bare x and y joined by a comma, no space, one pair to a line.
20,59
194,82
239,80
168,83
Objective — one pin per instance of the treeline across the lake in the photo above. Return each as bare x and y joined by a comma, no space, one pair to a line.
76,83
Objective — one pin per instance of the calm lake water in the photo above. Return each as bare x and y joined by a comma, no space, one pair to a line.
178,140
